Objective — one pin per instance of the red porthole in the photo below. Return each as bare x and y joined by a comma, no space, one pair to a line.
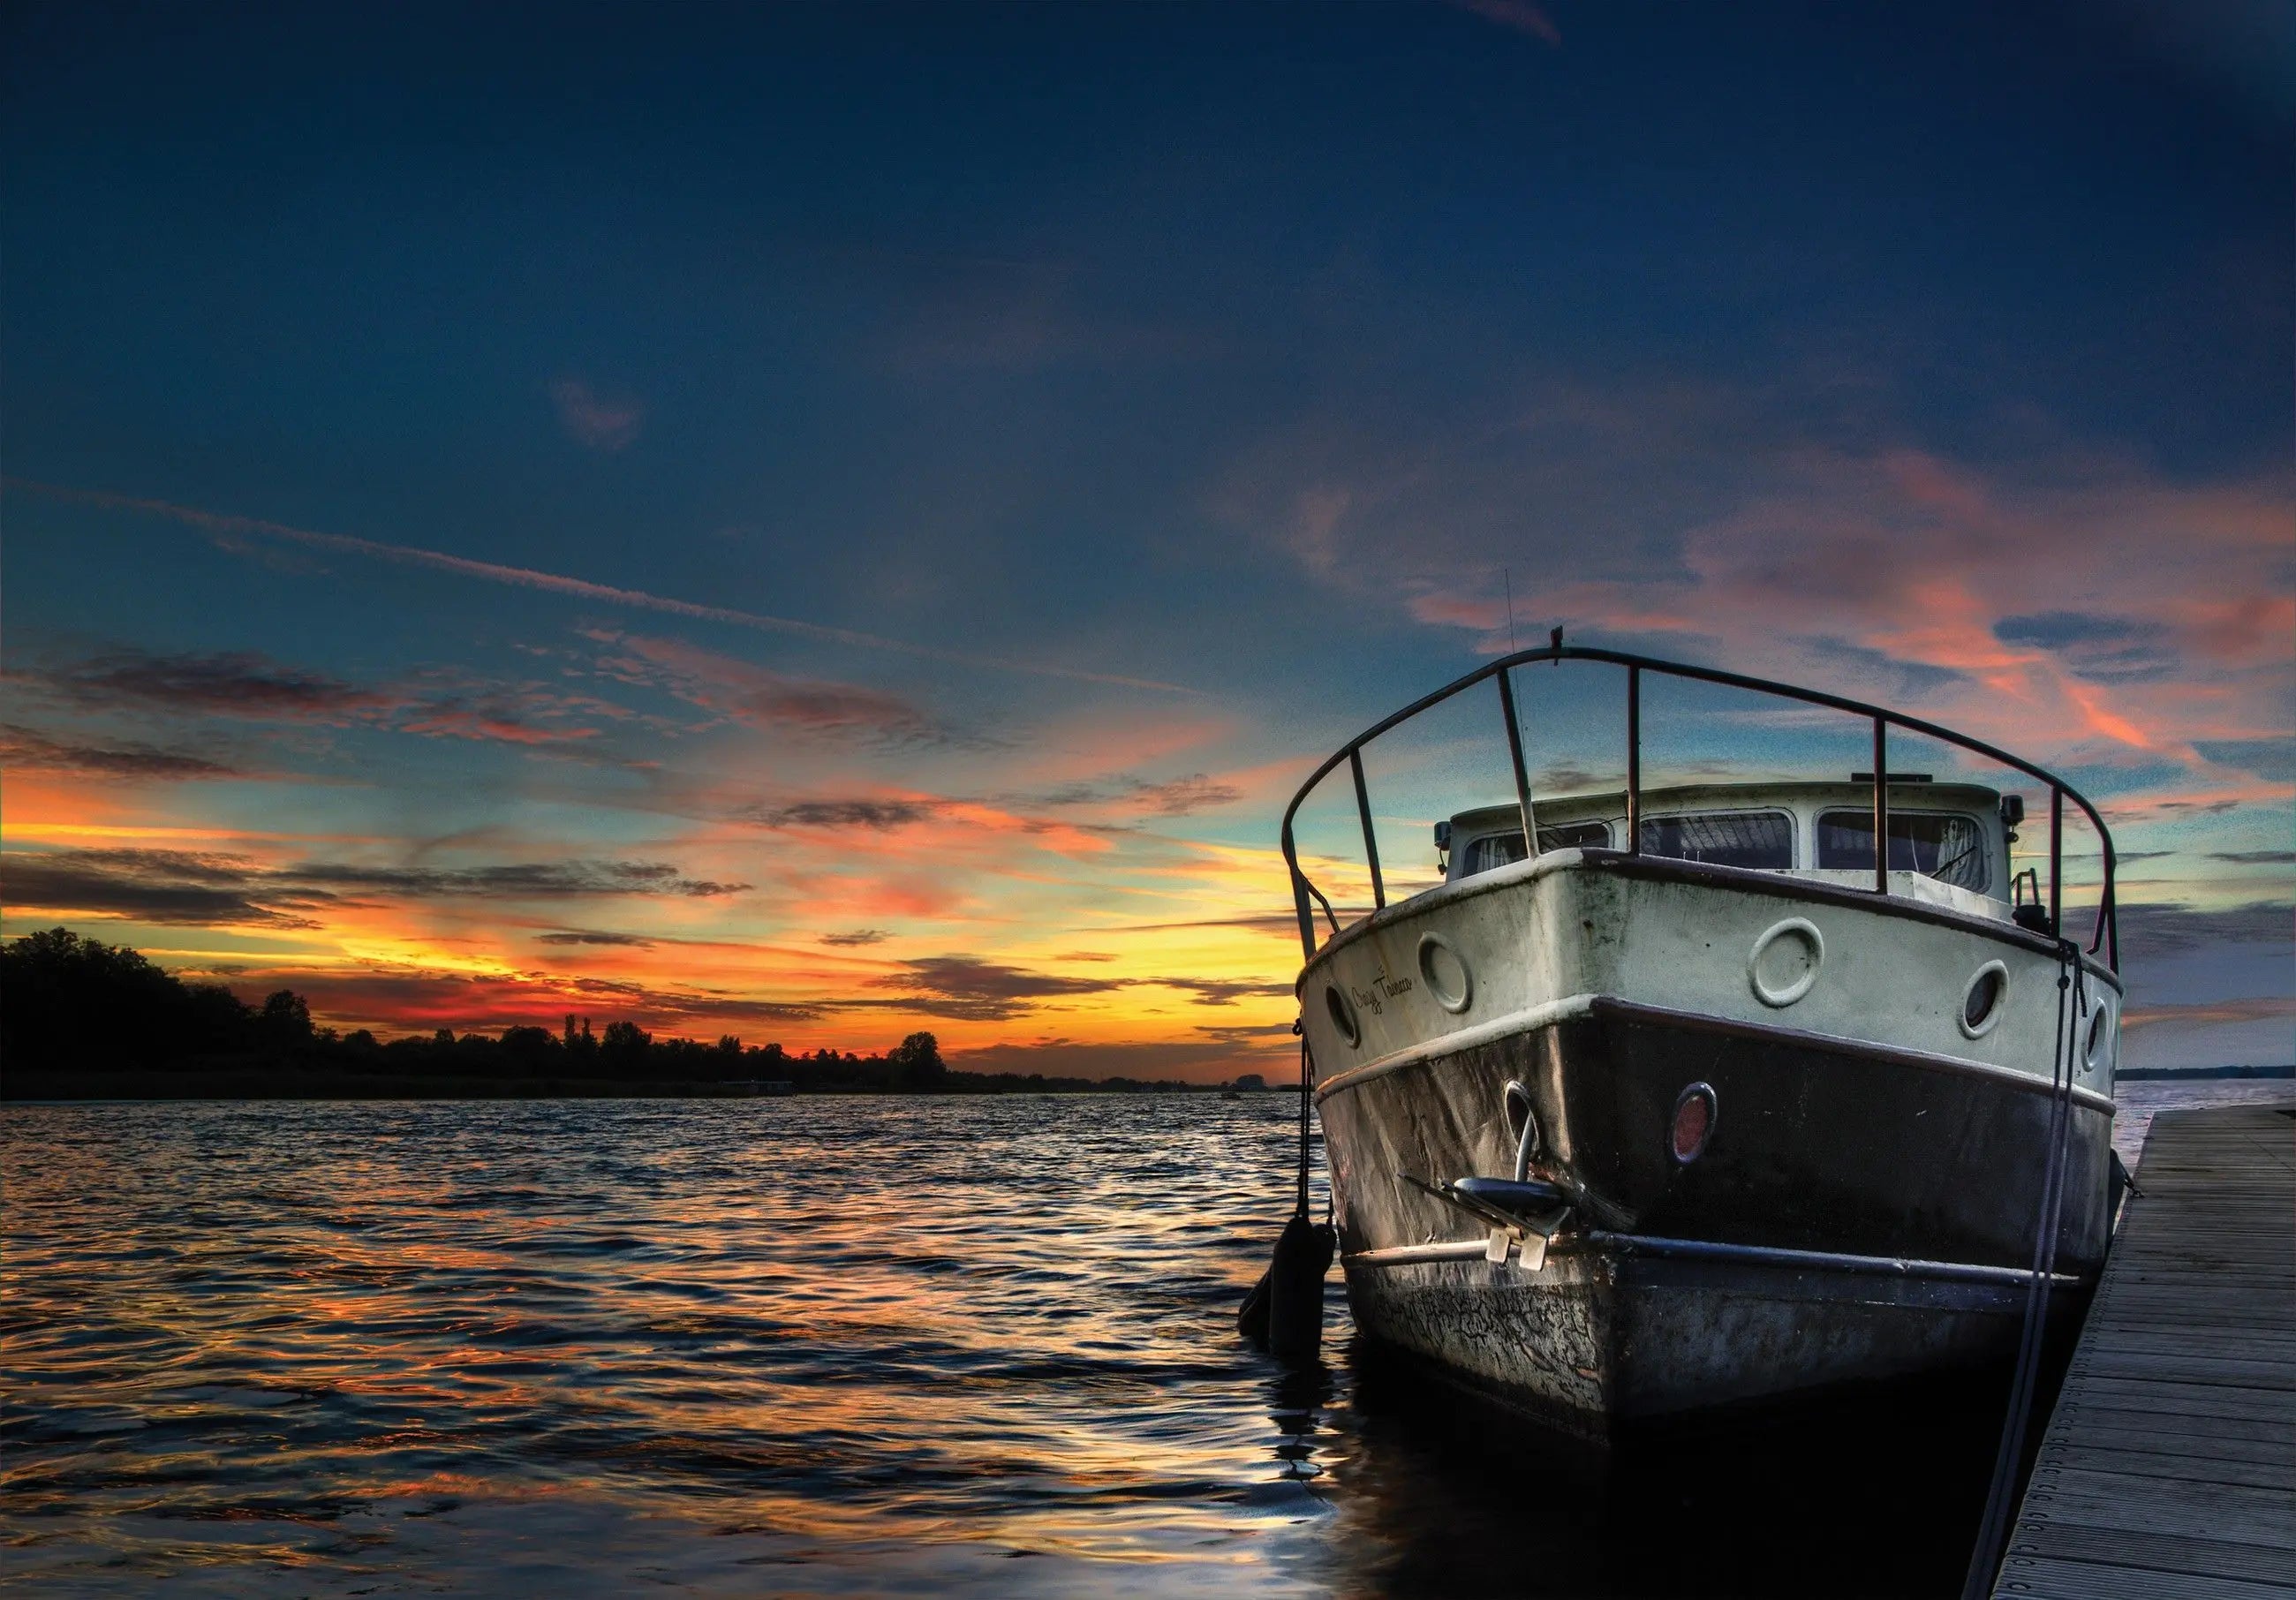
1695,1110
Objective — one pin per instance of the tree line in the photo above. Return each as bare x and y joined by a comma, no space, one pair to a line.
72,1008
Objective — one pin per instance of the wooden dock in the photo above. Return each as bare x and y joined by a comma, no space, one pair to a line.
2169,1468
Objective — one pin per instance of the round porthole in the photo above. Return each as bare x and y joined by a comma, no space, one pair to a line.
2100,1037
1446,972
1981,1000
1695,1112
1343,1015
1784,961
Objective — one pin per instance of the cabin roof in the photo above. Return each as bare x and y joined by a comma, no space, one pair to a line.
1905,795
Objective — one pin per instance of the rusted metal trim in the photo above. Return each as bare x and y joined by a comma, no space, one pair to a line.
1412,1255
1817,1261
1701,1249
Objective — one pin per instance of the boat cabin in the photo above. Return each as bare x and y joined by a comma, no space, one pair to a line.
1951,841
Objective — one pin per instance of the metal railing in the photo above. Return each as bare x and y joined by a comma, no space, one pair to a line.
2104,935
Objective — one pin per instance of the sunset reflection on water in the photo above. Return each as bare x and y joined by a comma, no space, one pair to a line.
802,1346
769,1345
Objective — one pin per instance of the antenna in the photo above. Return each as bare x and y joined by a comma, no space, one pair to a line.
1508,573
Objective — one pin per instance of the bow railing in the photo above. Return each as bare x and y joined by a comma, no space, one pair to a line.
2104,935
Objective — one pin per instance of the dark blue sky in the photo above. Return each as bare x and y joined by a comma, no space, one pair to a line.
1242,350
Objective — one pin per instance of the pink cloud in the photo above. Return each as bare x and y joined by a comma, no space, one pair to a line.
601,423
761,698
1519,15
459,722
2085,605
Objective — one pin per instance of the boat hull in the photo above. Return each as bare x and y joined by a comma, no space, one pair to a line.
1858,1213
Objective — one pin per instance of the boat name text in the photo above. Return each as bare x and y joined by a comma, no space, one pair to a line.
1382,990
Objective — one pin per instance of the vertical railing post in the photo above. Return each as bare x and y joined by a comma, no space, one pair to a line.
2056,861
1371,841
1307,912
1522,775
2111,913
1881,804
1634,760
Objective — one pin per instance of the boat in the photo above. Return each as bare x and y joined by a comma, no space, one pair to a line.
1671,1100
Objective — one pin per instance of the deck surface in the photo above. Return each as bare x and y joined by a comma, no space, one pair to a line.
2169,1468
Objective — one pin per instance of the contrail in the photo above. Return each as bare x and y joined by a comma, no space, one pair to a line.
527,578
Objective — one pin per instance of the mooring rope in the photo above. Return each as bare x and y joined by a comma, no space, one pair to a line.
1306,1082
1993,1530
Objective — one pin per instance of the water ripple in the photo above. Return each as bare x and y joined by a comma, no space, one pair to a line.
790,1346
809,1345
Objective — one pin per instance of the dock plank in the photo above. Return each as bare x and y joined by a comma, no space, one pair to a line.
2169,1468
2159,1553
2235,1514
2035,1578
2273,1441
2182,1469
2272,1447
2186,1399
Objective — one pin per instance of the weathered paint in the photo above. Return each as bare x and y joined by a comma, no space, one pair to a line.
1866,1120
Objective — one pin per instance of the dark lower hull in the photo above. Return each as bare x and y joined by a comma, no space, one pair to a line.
1870,1491
1854,1219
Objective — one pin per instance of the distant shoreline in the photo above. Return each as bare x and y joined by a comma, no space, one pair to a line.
100,1021
2197,1074
255,1085
258,1085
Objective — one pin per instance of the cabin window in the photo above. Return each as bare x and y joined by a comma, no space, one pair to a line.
1935,844
1756,838
1495,850
1575,836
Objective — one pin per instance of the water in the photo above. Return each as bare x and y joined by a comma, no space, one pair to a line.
796,1347
2139,1100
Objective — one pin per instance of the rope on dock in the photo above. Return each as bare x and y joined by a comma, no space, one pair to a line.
2000,1497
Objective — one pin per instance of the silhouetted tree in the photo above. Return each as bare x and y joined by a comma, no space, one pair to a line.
215,1022
69,1002
529,1052
623,1049
285,1020
916,1063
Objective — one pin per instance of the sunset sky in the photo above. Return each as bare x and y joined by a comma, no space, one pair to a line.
815,523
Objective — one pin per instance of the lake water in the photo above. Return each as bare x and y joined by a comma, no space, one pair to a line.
796,1347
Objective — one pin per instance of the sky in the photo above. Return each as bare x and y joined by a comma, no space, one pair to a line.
816,522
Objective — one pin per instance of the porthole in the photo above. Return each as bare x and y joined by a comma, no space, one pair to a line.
1982,999
2100,1037
1695,1113
1446,972
1784,963
1343,1015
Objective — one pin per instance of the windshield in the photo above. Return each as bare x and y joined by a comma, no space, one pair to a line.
1497,850
1758,839
1938,845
